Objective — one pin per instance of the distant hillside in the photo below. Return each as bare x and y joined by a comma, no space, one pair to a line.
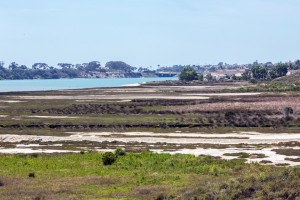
292,79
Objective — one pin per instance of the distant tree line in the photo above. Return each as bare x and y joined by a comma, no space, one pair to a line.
65,70
255,72
223,66
189,74
265,72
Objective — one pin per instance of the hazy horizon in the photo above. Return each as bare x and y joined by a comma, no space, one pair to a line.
150,32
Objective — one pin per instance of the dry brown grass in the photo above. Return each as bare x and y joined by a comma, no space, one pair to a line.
276,104
150,192
34,188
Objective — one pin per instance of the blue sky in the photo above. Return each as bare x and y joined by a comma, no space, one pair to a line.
149,32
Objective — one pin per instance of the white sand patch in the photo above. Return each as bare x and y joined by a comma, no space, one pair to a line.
104,150
131,90
28,151
225,94
270,136
179,138
2,116
245,136
38,145
131,85
16,118
253,139
125,100
85,100
52,117
270,155
120,97
151,134
11,101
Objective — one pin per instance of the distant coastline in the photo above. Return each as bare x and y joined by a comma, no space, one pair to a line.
112,69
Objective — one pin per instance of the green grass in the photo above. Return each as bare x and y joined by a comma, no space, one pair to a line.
134,176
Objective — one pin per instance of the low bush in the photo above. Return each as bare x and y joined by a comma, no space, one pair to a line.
108,158
1,183
120,151
31,175
162,197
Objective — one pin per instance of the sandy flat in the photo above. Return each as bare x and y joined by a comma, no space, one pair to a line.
150,139
239,135
11,101
131,85
29,151
120,97
270,155
144,138
38,145
51,117
225,94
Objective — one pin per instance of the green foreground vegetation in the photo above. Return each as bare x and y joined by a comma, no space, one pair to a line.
142,176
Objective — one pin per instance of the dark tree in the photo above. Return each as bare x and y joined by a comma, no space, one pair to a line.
201,77
281,69
259,72
119,66
92,66
1,64
23,67
42,66
296,65
13,66
209,77
287,111
65,65
188,74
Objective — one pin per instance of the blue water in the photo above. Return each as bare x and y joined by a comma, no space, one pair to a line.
60,84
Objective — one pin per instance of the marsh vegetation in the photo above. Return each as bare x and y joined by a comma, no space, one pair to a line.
254,138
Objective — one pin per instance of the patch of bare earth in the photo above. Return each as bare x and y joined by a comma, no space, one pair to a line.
150,192
61,189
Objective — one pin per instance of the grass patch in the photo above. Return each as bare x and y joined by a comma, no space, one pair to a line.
293,159
133,176
239,155
288,152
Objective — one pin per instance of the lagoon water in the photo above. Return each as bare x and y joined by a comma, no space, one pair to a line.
63,84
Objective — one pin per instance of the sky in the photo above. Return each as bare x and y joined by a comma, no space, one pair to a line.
149,32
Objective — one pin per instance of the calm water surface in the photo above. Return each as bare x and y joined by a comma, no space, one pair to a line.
60,84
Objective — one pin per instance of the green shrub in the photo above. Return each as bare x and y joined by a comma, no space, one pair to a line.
120,151
188,74
108,158
31,175
162,197
1,183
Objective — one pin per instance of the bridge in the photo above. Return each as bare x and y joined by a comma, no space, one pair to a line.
167,74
